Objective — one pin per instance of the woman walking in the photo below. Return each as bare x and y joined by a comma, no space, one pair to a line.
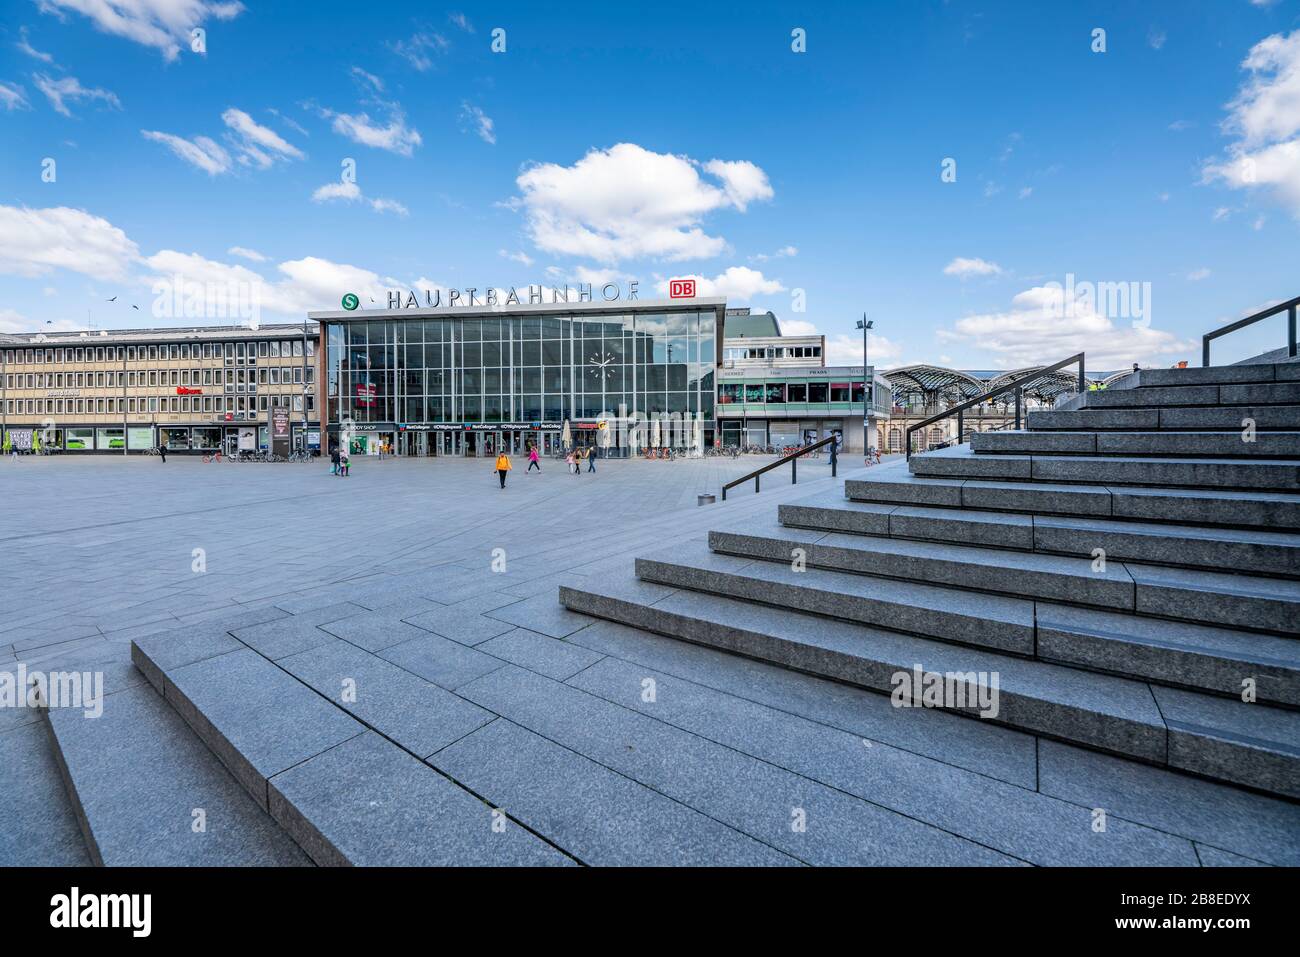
344,461
503,466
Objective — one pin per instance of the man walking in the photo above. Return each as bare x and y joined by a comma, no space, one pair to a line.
503,466
591,460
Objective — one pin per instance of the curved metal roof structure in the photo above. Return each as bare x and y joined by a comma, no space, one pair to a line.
930,379
938,380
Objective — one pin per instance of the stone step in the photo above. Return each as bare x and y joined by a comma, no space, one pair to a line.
1223,661
1274,445
960,462
346,794
1168,652
1245,601
148,793
1254,393
1201,375
1190,418
1250,745
1187,506
1263,552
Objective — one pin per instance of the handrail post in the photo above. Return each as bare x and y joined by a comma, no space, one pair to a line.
1290,326
1205,351
1017,394
757,478
1083,379
794,471
961,419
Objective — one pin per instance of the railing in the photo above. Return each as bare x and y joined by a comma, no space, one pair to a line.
1017,387
794,467
1288,307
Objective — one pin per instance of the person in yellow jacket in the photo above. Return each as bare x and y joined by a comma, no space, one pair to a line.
503,466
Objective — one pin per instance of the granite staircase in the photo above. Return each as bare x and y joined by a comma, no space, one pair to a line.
1128,566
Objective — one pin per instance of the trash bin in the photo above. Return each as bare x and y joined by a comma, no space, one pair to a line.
705,499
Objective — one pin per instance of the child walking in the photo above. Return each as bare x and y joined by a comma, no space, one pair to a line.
532,459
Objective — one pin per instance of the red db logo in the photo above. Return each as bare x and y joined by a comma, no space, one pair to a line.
681,289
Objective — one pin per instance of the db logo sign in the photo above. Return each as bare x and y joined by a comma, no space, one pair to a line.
681,289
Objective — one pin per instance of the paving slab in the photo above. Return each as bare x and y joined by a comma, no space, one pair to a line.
366,802
547,656
416,714
601,817
257,718
1028,826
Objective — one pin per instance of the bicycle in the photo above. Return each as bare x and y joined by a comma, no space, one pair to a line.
212,457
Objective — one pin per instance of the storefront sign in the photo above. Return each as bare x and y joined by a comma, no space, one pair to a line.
184,390
63,393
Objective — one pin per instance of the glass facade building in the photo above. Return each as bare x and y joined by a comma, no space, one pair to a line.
469,381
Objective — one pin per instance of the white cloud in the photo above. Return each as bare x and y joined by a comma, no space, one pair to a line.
420,48
519,257
26,47
1026,192
628,202
736,283
382,205
1156,38
481,122
395,136
1265,117
12,97
1178,126
1220,214
201,151
783,253
368,78
244,252
1040,328
164,25
257,144
963,268
34,242
462,21
742,181
846,350
1196,275
59,92
351,192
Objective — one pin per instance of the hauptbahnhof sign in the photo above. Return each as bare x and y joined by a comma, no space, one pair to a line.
510,295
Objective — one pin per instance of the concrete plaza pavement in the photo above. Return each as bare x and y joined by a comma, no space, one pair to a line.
428,566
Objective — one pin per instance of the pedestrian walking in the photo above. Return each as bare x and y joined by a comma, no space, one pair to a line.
591,460
532,459
334,460
503,466
344,461
162,453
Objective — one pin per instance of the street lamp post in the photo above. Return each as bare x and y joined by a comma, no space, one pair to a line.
868,385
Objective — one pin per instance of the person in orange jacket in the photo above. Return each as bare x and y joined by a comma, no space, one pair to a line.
503,466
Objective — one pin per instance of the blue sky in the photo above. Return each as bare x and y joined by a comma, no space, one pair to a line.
638,141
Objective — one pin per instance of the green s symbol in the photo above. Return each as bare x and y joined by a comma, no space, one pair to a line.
350,301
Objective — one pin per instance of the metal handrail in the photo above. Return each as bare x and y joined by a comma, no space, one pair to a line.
794,467
1288,307
1017,386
